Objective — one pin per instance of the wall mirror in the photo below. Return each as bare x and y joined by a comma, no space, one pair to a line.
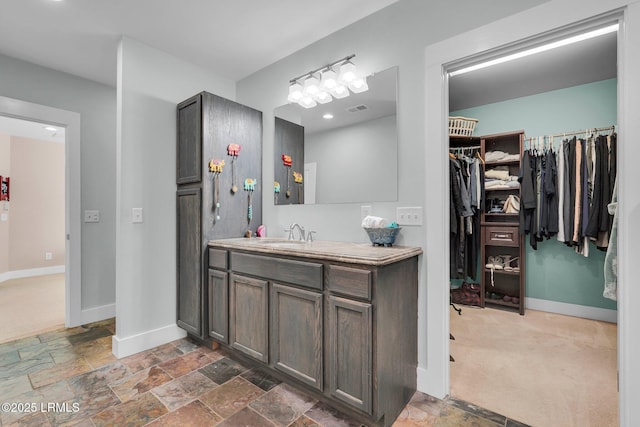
349,158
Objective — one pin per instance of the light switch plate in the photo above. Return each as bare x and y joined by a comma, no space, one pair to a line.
409,215
137,215
91,216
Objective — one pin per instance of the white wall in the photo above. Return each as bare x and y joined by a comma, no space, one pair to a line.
150,85
96,104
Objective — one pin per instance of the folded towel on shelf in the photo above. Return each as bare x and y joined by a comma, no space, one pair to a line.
500,184
497,174
500,156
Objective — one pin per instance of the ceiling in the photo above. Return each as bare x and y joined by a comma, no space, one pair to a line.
233,39
32,130
236,38
571,65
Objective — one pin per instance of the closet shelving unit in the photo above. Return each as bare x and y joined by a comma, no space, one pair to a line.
500,235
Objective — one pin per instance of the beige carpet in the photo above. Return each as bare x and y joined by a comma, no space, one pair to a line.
30,306
541,369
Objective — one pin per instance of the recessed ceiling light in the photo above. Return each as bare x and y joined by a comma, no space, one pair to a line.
327,116
51,128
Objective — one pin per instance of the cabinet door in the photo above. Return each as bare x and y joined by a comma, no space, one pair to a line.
189,260
189,147
296,333
248,324
350,352
219,305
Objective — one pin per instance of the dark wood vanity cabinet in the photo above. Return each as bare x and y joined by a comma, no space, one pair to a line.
344,332
206,125
296,334
190,305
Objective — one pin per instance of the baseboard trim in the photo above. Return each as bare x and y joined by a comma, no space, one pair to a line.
425,384
95,314
126,346
586,312
31,272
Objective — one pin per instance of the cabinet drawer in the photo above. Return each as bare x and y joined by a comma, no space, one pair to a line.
218,258
301,273
350,281
502,236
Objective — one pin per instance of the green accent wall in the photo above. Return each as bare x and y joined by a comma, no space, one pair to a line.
555,272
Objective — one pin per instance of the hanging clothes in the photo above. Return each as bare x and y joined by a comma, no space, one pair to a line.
565,192
466,180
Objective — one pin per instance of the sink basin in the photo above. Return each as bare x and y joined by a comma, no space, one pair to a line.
280,242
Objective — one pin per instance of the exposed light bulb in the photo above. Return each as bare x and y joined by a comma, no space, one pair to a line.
323,97
340,91
295,92
359,85
311,86
307,102
347,72
329,79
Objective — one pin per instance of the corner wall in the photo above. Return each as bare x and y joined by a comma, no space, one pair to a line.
150,85
396,35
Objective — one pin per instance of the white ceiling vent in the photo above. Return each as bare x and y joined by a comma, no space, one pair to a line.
357,108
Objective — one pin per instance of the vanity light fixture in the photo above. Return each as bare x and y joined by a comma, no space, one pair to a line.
323,84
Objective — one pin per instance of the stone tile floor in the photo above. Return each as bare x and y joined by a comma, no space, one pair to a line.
70,377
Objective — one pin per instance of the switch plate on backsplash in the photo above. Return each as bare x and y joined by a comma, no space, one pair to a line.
409,215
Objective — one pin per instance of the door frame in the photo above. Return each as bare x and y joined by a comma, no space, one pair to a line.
433,371
71,122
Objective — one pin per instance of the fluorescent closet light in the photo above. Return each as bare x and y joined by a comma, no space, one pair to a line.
539,49
327,116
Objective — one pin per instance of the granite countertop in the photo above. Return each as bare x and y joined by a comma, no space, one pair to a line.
359,253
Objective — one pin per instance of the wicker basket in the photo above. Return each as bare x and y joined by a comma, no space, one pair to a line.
382,236
461,126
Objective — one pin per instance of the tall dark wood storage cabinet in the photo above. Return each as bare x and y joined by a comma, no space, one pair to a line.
206,125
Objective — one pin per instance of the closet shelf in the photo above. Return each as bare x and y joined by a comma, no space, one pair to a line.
502,189
502,162
509,273
502,303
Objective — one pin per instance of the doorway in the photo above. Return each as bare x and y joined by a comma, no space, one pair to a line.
32,246
495,352
70,121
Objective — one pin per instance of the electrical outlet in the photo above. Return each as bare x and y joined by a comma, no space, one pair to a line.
48,256
136,215
365,211
91,216
409,215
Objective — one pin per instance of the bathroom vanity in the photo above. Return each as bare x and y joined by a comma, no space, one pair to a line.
336,319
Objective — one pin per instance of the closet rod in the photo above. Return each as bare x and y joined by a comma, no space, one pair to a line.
468,147
573,133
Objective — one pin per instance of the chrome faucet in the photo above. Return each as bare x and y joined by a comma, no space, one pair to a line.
292,227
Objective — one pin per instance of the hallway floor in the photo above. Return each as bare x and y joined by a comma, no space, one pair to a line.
31,305
70,377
